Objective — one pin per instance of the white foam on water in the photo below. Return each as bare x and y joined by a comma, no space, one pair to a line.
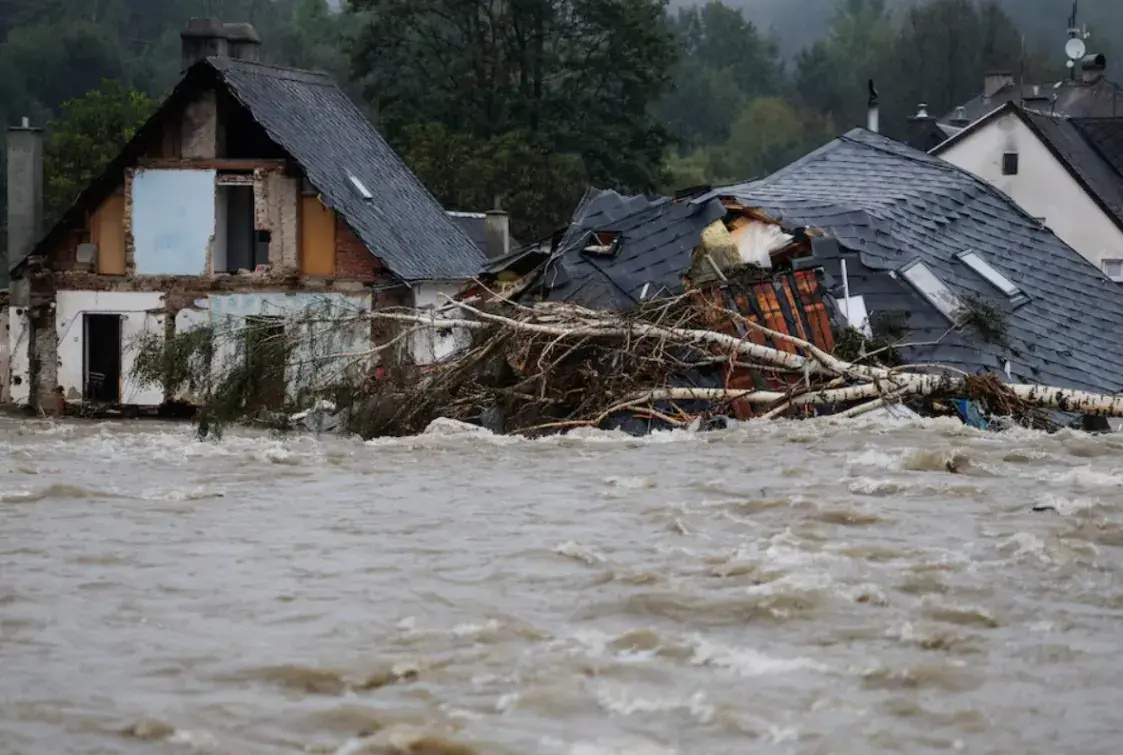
621,700
747,661
577,552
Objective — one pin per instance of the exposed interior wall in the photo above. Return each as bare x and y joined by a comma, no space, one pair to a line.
1043,187
199,128
141,312
277,211
317,237
107,232
433,344
172,221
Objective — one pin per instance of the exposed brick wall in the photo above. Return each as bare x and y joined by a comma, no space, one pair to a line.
353,261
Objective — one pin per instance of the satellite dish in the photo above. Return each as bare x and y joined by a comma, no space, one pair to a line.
1075,49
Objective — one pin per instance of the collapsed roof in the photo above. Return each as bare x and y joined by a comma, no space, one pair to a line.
907,224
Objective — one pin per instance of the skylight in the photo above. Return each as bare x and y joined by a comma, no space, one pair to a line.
932,288
360,187
992,276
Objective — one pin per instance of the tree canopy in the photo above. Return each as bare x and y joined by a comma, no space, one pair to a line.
528,101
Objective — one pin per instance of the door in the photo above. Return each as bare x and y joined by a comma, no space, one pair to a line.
102,358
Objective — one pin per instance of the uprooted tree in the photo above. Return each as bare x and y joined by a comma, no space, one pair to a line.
548,367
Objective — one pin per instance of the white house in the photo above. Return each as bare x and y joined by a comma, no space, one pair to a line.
1067,172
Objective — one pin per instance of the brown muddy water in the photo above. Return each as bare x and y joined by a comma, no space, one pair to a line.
857,587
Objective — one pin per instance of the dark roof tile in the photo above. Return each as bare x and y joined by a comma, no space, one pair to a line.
311,118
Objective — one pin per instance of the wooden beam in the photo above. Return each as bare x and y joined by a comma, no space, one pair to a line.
219,163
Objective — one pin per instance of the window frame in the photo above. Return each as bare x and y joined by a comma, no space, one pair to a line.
992,275
933,298
1010,163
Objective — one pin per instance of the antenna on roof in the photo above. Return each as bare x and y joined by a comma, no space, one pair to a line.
1075,48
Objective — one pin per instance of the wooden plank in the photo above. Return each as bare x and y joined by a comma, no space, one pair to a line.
107,231
200,163
317,238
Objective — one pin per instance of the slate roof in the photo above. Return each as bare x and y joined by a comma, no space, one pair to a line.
888,205
313,121
311,118
1081,145
1099,99
658,237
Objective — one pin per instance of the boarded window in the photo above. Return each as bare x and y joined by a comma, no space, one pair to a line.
107,232
317,238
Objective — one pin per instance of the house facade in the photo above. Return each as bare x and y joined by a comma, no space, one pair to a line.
253,192
1061,170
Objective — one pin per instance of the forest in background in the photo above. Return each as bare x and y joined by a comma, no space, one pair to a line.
530,101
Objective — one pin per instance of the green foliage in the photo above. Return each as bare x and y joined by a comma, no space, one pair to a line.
91,131
572,79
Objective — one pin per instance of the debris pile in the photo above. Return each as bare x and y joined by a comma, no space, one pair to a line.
557,366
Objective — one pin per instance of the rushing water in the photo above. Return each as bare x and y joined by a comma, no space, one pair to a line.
820,587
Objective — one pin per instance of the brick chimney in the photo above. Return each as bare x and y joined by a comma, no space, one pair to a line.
25,194
995,81
242,41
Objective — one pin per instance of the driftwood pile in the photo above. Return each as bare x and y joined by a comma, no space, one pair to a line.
556,366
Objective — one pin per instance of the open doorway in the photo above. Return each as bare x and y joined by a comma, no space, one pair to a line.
236,246
102,358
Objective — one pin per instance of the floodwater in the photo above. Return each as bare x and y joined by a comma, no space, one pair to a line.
820,587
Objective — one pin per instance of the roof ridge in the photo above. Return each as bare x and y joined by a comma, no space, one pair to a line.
219,62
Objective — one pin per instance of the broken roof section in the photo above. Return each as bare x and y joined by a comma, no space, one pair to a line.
356,171
619,250
890,208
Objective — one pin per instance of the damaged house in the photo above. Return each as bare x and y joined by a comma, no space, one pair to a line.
911,251
253,192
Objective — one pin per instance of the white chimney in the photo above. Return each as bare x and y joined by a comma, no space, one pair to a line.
873,114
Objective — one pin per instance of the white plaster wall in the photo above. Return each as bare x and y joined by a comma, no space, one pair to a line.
134,307
1043,186
19,347
327,347
432,344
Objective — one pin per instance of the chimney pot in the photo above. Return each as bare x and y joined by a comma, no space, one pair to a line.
922,110
995,82
243,41
25,193
497,228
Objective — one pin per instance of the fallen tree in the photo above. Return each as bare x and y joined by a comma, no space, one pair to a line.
556,366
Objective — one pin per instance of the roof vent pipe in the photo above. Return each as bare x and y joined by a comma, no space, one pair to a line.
873,111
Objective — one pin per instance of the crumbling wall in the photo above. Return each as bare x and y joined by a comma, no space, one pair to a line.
19,341
199,128
277,210
43,359
5,354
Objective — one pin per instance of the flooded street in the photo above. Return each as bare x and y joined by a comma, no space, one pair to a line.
852,587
